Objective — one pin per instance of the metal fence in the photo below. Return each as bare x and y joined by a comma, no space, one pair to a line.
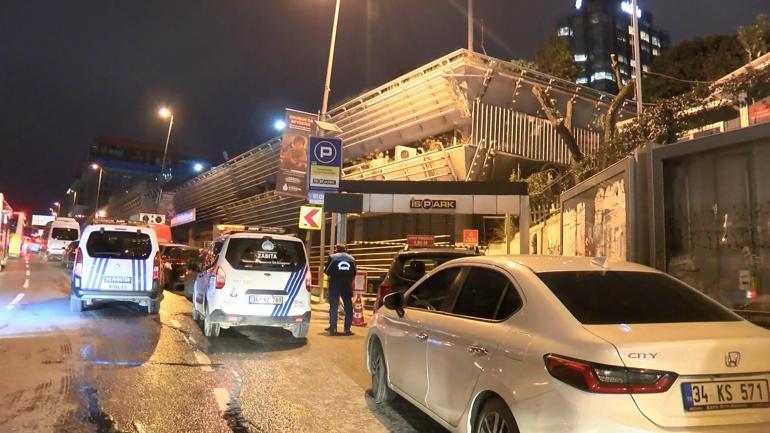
528,136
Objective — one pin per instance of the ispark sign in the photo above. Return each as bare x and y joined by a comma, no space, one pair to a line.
325,156
427,204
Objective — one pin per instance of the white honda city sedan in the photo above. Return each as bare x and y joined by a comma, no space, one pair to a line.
561,344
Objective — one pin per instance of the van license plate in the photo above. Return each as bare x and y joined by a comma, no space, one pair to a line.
732,394
265,299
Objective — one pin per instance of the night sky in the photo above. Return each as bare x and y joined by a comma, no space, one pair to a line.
72,70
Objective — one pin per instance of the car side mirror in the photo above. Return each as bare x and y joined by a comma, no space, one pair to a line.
394,301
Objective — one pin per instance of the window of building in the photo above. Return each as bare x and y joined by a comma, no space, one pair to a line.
580,57
602,75
645,36
656,41
655,52
565,31
622,59
633,63
645,48
645,68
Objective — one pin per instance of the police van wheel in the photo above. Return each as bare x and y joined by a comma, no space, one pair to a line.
76,305
153,307
300,330
210,329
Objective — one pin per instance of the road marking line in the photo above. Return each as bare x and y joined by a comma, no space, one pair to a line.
26,284
15,301
28,273
203,359
175,323
138,427
222,397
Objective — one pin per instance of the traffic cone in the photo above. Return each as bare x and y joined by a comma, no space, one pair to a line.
358,312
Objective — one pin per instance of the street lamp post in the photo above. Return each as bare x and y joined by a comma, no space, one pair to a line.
74,200
96,166
327,84
165,113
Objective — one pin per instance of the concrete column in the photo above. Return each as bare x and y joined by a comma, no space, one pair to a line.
524,225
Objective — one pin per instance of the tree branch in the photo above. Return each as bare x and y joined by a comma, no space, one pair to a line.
558,123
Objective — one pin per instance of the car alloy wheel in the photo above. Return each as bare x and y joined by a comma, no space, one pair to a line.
380,389
210,329
495,417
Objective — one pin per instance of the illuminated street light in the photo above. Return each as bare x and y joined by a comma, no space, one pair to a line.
165,113
198,167
279,125
58,207
95,166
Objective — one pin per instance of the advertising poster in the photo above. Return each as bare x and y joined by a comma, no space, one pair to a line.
292,168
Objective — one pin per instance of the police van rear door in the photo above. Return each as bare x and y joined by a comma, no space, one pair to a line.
121,260
265,275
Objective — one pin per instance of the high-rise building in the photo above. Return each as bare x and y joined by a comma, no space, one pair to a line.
597,28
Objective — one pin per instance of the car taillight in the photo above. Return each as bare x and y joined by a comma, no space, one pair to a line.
156,267
308,281
384,289
78,268
606,379
220,278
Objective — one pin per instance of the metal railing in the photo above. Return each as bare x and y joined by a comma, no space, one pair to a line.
433,165
528,136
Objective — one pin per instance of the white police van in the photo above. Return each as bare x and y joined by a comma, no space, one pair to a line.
253,276
117,261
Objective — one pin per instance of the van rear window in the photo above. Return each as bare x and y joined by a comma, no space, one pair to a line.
64,234
119,245
265,254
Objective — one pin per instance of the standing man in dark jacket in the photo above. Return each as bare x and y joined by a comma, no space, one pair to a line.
341,269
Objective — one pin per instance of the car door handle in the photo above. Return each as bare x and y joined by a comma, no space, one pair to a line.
477,350
422,336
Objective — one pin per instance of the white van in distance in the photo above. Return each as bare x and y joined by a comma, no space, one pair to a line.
58,234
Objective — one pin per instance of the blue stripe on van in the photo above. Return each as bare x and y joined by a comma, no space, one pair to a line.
133,275
91,269
278,307
297,286
101,274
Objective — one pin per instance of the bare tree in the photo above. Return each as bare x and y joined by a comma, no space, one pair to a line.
611,118
562,125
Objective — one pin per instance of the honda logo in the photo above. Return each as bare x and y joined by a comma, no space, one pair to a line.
732,359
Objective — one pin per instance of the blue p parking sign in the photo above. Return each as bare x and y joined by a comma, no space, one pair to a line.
325,158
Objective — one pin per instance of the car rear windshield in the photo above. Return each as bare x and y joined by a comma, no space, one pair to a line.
413,267
617,297
265,254
181,254
119,245
64,234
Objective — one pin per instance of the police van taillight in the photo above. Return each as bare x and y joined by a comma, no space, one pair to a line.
220,278
77,270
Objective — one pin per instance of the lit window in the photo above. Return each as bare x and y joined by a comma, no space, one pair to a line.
645,68
630,30
580,57
628,8
656,41
655,52
602,75
644,36
582,80
565,31
645,47
633,63
622,59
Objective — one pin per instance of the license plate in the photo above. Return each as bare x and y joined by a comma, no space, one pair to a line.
265,299
731,394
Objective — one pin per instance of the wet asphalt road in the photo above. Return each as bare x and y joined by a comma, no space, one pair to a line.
113,368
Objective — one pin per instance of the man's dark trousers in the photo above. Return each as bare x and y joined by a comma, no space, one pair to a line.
334,301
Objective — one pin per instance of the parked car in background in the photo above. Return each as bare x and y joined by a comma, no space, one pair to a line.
756,311
411,264
176,260
68,258
538,344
